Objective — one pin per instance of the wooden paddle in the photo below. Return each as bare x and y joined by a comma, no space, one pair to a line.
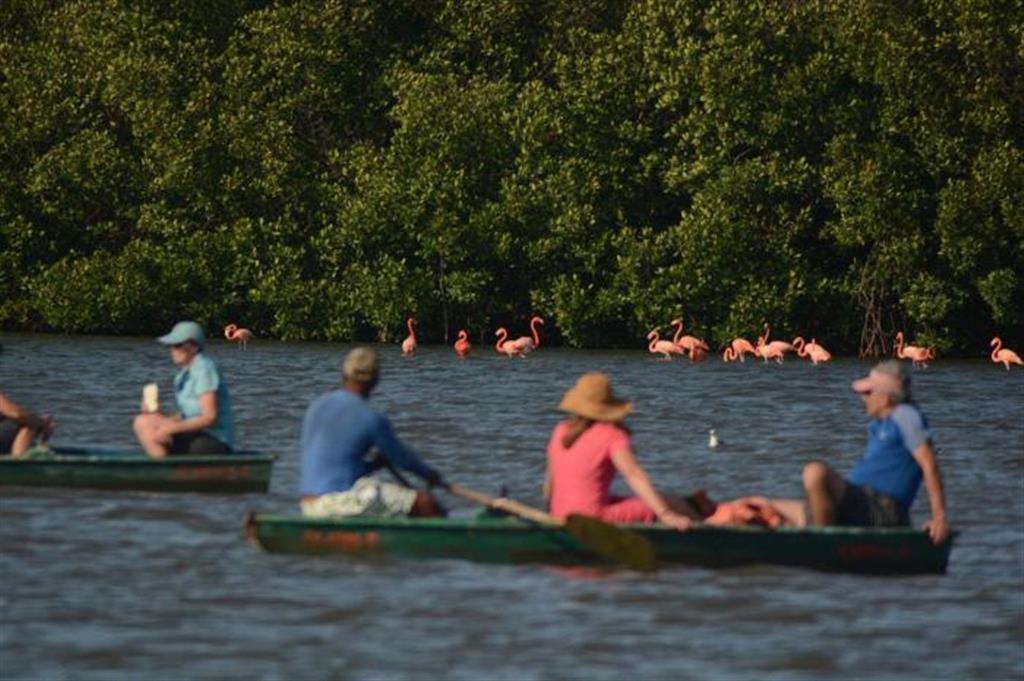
617,544
606,540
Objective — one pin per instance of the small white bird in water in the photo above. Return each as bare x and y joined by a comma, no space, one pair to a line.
713,440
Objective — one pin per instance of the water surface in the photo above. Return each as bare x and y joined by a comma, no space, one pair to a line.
133,585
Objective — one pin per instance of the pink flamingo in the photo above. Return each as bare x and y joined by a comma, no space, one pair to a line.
818,353
241,336
462,346
739,347
730,355
527,344
1006,356
775,350
687,343
409,345
504,345
665,347
812,350
917,354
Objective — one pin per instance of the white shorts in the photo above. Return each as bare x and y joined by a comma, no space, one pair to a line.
369,497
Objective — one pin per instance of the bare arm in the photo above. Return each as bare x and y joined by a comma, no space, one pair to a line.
8,408
207,417
636,478
24,416
938,527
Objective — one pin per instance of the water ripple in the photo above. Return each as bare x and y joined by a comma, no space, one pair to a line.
146,586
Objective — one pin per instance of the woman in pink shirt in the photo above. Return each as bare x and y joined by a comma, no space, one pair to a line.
586,450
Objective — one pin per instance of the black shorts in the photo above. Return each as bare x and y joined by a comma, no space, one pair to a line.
8,431
863,506
197,443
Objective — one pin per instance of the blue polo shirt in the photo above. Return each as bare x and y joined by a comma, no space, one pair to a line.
339,429
201,376
888,465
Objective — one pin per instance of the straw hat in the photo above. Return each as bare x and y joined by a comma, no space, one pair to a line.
592,398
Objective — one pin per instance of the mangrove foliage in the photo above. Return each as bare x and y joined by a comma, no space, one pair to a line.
838,168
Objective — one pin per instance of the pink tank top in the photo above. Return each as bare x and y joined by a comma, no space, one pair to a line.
582,474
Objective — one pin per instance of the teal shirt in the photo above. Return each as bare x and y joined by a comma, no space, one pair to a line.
202,377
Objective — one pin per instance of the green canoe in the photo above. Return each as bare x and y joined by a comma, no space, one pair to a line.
107,468
505,540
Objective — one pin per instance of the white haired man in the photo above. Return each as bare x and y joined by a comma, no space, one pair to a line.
881,488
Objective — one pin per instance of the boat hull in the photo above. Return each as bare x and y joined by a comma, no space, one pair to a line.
892,551
122,469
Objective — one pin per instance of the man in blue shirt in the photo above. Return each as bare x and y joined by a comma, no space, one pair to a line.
881,487
339,432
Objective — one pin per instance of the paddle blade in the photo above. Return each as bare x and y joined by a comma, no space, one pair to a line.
614,543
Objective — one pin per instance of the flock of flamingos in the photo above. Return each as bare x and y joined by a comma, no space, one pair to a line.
681,344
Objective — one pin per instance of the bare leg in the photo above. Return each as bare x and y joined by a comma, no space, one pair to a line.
22,441
824,489
793,510
145,426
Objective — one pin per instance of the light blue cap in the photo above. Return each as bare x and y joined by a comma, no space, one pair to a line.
184,331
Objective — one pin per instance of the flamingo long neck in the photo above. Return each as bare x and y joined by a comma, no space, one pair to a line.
899,344
998,343
767,332
654,337
800,344
729,354
679,331
412,333
463,336
502,334
533,329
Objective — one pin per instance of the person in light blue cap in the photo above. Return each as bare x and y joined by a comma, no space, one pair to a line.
205,424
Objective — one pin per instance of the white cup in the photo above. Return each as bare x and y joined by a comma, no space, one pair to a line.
151,398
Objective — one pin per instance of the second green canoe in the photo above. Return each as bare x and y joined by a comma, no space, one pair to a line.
110,468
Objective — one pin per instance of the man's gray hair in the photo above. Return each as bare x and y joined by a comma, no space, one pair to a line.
899,371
